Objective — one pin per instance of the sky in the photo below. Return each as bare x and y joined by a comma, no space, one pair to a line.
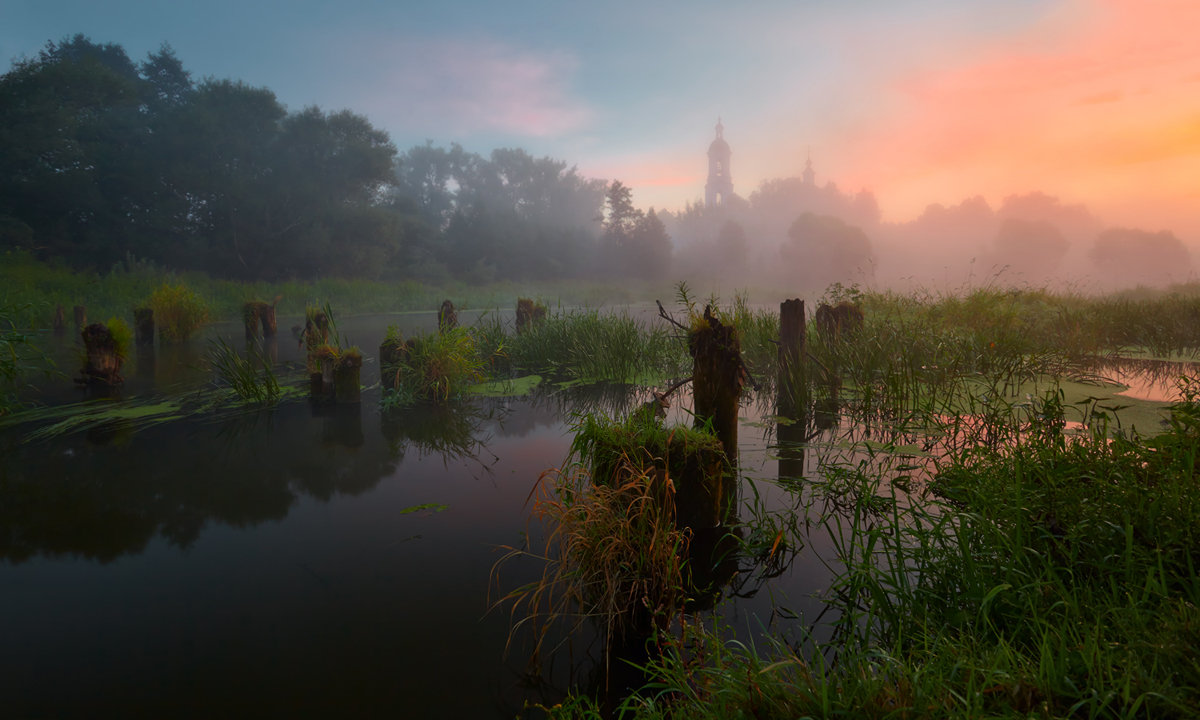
918,101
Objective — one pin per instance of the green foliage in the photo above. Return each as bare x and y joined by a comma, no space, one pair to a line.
250,376
435,368
17,356
178,311
122,336
591,345
613,552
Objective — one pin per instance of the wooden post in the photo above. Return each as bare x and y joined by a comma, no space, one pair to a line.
524,315
270,327
447,317
102,364
791,334
60,321
792,348
346,372
143,324
717,379
250,319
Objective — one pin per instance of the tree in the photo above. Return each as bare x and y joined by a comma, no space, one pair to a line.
1031,248
1127,256
822,249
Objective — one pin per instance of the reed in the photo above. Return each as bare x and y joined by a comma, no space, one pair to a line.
613,551
178,311
435,367
250,376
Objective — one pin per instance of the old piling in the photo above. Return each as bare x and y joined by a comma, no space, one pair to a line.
447,317
524,315
266,313
718,376
792,349
102,361
346,371
250,313
143,326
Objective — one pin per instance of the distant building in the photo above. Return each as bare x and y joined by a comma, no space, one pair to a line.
810,177
719,187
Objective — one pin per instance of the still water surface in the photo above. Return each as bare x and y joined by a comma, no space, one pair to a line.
272,562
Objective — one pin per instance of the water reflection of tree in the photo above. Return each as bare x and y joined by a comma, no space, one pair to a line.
110,493
451,431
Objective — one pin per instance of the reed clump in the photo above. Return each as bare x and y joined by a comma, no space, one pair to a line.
178,311
1055,575
614,551
593,346
250,376
429,367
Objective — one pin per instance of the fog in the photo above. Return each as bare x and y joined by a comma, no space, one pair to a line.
788,227
112,162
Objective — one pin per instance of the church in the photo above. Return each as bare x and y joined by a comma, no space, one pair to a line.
719,187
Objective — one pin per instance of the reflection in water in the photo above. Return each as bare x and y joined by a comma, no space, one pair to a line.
268,551
112,490
1153,380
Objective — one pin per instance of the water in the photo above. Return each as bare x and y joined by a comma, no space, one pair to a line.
299,560
316,561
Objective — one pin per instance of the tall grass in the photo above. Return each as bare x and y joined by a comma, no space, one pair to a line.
613,549
250,376
434,367
1054,575
178,311
591,345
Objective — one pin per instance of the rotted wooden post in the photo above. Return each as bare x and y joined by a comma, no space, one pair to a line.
447,317
270,327
792,348
102,363
718,376
524,315
250,313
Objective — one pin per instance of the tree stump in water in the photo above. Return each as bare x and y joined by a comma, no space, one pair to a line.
447,317
718,376
143,324
524,315
346,371
270,328
102,365
529,315
791,354
251,314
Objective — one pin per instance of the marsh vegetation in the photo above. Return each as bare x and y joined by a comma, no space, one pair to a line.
946,512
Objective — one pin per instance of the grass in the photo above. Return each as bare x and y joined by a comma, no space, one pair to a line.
591,345
432,367
613,552
1055,574
178,311
250,376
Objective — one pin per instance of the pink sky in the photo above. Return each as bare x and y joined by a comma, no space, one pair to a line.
1096,102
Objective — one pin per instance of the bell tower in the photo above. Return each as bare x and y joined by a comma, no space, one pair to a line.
719,187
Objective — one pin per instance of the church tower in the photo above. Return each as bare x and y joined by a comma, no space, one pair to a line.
810,177
719,187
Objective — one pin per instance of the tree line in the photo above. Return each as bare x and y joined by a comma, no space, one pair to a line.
106,159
